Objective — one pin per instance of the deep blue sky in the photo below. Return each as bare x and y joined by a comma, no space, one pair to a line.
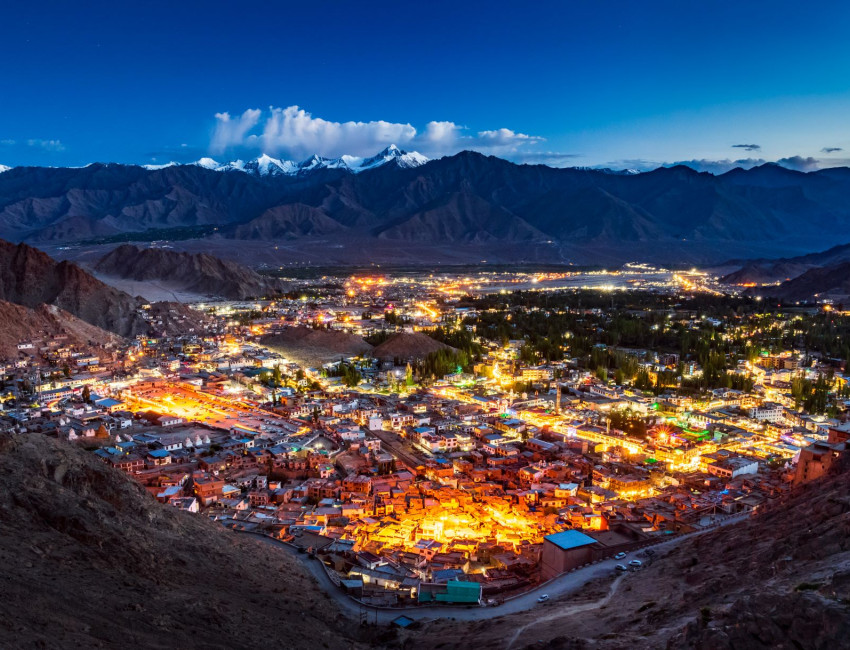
593,82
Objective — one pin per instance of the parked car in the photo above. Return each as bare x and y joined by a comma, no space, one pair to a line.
543,598
619,556
636,563
621,567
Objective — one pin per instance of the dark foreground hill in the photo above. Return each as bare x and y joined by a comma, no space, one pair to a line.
778,580
465,208
196,273
89,559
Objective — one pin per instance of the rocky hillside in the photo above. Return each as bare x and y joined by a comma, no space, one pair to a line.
43,323
463,202
195,273
90,559
312,347
405,346
778,580
771,271
30,277
831,281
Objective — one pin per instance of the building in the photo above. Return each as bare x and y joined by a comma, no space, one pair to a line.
817,459
565,551
733,466
453,591
769,411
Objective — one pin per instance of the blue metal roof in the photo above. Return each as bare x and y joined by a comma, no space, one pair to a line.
570,539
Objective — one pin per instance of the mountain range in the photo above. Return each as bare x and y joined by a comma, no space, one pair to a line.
464,207
265,165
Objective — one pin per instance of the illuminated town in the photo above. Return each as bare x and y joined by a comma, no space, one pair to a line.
415,433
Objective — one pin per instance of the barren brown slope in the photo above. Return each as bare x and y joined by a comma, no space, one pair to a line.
778,580
19,324
316,346
193,272
89,559
408,346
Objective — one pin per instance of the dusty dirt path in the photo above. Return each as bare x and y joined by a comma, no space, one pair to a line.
563,612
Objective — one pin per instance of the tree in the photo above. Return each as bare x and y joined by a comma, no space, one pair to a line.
408,376
277,376
66,370
86,394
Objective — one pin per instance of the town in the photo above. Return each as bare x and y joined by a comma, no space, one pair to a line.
459,439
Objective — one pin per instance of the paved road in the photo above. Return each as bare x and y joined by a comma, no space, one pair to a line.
561,586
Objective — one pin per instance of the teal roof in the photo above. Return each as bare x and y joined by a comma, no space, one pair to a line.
569,539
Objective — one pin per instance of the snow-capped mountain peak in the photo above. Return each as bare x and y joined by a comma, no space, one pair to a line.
266,165
4,168
207,163
392,153
164,166
318,162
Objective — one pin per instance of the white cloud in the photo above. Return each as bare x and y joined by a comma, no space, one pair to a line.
47,145
800,163
231,132
296,133
720,166
8,142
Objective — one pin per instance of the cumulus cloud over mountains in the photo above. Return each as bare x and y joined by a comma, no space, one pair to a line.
294,132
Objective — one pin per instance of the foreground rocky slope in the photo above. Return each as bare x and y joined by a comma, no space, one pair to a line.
89,559
778,580
196,273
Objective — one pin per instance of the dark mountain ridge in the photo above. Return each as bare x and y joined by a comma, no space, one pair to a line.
801,278
454,201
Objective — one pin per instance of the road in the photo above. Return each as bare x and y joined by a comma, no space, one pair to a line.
395,448
560,586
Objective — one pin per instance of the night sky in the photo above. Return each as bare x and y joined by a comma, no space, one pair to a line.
620,84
